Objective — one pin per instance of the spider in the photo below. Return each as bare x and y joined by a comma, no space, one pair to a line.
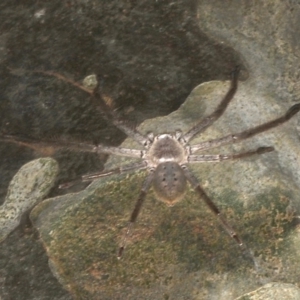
166,156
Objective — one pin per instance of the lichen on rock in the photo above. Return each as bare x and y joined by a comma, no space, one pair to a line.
28,187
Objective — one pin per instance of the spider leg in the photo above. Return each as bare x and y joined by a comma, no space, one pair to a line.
209,120
237,137
195,184
84,147
101,106
105,173
221,157
136,210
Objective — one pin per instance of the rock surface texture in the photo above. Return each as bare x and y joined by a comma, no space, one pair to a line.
149,56
182,251
29,186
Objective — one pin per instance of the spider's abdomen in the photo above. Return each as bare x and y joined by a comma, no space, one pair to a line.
169,182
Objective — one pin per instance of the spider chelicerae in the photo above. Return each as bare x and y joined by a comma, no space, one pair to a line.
166,156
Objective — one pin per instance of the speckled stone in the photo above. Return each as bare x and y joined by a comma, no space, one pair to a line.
181,252
273,291
28,187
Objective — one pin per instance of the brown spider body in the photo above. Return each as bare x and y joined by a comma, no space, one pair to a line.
169,182
166,147
166,156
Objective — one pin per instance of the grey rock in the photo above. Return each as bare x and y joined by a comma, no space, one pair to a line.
181,251
273,291
267,37
265,34
28,187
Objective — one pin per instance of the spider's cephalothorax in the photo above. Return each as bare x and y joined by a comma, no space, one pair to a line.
166,156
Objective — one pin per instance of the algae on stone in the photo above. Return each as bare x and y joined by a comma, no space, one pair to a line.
273,291
182,252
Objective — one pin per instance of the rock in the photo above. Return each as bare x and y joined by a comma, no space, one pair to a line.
273,291
28,187
266,36
182,251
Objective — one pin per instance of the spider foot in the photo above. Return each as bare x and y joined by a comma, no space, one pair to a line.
262,150
120,253
292,111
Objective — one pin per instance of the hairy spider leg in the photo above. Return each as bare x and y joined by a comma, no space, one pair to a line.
221,157
209,120
237,137
196,185
138,205
96,175
102,107
74,146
